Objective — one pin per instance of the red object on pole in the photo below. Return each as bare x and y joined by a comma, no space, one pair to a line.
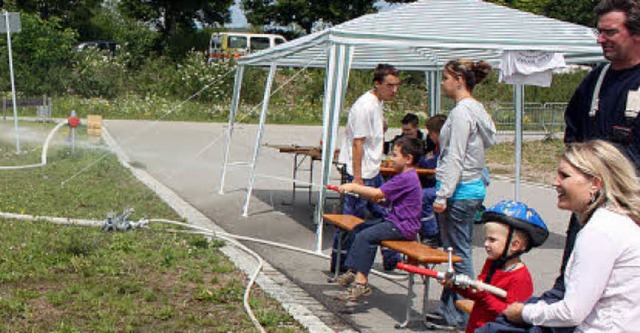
418,270
333,188
73,122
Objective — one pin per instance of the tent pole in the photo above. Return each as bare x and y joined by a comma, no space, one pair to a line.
430,78
336,81
437,81
518,97
237,86
256,151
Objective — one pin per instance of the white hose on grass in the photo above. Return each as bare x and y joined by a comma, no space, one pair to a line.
45,151
231,238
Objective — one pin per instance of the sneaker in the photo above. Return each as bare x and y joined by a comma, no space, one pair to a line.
439,324
346,279
433,241
356,291
433,315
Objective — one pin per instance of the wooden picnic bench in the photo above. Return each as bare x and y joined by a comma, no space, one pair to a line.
415,253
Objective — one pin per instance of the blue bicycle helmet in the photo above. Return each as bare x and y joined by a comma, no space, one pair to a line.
519,216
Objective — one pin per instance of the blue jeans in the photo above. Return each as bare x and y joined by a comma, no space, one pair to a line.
428,216
457,230
359,207
367,237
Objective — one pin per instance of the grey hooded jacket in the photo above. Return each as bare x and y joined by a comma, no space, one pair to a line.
464,137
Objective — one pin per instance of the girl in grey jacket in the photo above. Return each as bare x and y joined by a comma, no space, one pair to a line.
461,185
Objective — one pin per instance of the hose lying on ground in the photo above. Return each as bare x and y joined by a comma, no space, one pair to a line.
231,238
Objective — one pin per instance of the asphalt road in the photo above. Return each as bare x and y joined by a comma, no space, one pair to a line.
187,158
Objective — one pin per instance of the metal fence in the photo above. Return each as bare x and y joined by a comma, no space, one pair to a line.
539,118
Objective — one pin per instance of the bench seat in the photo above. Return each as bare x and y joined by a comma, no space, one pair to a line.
415,252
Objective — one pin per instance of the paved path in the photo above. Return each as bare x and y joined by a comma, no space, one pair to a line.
187,158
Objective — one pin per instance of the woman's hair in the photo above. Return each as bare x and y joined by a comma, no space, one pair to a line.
472,72
620,190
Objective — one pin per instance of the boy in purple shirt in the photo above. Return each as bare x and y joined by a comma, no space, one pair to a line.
402,195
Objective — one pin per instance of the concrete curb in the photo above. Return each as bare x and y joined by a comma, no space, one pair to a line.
274,283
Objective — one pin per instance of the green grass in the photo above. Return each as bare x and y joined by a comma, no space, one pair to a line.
539,159
72,279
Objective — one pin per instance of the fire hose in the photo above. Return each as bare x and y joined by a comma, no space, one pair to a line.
458,280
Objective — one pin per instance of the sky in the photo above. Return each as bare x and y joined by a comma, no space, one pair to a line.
238,20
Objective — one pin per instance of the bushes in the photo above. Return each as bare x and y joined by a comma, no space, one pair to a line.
96,74
41,54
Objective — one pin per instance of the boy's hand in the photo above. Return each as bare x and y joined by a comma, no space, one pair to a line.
513,312
439,208
446,283
347,187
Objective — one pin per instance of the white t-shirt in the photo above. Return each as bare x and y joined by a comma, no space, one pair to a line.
602,280
529,67
365,121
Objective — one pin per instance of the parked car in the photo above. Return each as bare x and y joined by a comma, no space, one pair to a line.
108,48
225,45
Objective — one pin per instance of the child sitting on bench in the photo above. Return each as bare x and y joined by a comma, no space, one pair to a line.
511,229
402,195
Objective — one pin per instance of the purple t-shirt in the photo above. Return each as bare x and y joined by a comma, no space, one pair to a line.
404,195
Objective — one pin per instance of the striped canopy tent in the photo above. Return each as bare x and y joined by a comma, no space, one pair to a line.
419,36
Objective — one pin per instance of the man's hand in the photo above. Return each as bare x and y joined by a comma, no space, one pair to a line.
439,208
513,312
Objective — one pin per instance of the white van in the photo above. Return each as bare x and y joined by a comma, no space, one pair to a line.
225,45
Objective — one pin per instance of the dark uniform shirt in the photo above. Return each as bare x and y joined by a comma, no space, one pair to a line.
611,111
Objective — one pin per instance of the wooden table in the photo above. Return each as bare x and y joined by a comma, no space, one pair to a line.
300,154
387,172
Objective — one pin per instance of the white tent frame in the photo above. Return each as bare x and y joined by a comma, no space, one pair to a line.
431,32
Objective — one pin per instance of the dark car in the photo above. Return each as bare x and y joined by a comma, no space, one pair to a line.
109,48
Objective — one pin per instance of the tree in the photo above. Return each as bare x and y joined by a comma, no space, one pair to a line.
169,16
177,21
306,13
41,56
576,11
75,14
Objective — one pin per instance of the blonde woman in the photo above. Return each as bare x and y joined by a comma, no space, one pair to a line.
461,188
602,277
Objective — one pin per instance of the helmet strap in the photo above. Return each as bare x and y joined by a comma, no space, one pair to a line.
504,257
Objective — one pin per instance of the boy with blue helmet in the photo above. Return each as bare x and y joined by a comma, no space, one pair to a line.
511,229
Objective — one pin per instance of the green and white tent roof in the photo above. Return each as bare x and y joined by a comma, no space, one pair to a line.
426,34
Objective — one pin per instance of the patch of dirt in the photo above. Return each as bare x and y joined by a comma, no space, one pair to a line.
528,174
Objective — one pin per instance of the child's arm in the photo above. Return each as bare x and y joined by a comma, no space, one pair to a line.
518,290
368,192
